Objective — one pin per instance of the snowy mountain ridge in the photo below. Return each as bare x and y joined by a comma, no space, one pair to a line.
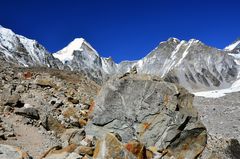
234,47
192,64
23,51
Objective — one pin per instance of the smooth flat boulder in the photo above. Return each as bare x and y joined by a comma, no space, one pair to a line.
156,113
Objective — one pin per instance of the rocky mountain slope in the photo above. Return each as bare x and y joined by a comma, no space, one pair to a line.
79,55
56,113
192,64
25,52
39,105
234,47
75,104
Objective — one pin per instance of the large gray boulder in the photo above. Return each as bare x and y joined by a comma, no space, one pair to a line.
157,113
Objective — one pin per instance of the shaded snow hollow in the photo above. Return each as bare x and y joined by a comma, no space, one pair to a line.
220,93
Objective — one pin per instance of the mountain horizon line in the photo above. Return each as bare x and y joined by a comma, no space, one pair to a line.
112,57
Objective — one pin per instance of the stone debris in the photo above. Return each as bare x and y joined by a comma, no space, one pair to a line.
133,116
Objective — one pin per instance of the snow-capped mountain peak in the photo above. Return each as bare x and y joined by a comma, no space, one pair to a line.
5,33
174,40
233,46
66,54
77,45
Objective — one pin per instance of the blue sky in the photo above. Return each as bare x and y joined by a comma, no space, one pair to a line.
122,29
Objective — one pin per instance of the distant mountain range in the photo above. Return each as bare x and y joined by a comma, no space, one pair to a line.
192,64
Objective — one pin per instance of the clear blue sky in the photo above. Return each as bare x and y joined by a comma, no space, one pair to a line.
123,29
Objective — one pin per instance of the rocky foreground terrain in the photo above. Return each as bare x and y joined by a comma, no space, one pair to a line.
75,104
52,114
39,104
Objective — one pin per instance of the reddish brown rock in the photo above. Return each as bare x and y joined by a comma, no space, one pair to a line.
110,147
136,148
84,150
27,75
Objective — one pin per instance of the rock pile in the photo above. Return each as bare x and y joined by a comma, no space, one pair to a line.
133,116
47,102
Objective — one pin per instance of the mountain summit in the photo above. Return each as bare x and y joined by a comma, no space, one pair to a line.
78,44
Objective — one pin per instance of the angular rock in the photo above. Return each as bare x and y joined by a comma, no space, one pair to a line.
234,149
20,89
11,152
72,100
46,82
136,148
27,75
189,145
154,112
61,153
73,136
111,147
13,101
82,122
7,109
51,123
84,150
28,112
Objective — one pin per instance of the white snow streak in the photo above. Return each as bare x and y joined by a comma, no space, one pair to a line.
185,53
232,46
169,63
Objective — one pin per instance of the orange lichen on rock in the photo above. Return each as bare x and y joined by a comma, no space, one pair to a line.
146,125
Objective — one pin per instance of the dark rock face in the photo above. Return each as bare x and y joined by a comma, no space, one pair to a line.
157,113
234,148
28,112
